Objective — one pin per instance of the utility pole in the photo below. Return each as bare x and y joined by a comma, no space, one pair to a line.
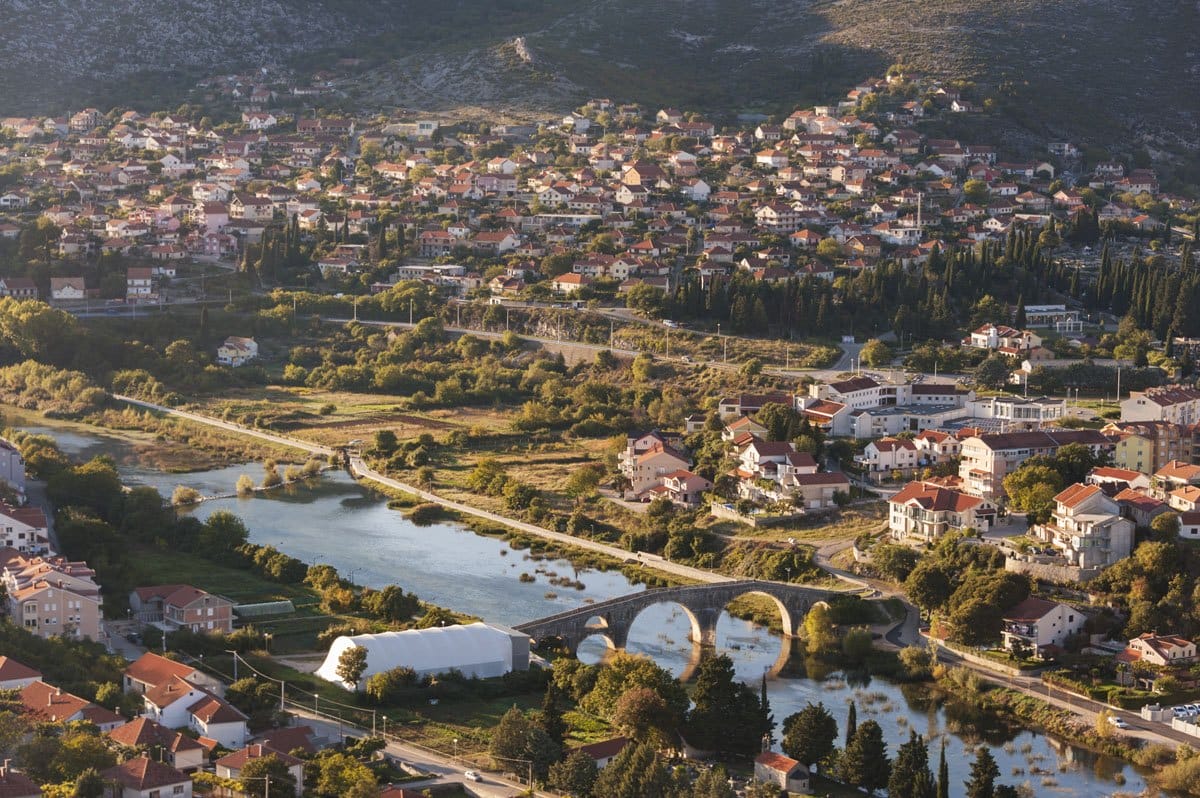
410,312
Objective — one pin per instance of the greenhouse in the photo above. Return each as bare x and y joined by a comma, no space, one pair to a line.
476,650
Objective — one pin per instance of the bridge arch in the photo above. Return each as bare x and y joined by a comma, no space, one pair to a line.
695,619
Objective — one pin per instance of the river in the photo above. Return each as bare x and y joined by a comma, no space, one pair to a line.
340,522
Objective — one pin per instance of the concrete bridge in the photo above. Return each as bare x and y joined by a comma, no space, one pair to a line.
702,604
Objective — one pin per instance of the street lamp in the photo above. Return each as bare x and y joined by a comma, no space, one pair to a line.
266,783
456,749
385,725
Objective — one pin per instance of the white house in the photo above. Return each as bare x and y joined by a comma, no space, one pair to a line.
1087,528
23,529
1036,623
1161,650
926,511
237,351
1189,526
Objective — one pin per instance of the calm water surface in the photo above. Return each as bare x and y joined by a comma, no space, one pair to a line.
339,522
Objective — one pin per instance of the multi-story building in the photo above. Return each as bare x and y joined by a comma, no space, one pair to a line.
24,529
863,407
12,468
1179,404
647,459
1036,624
1087,528
1147,446
52,596
1015,413
1173,476
988,459
182,607
890,454
926,511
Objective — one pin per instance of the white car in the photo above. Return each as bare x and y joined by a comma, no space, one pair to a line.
1120,724
471,775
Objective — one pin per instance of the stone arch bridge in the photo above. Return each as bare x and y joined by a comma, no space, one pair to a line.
702,604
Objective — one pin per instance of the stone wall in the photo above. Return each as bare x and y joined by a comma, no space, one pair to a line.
1048,572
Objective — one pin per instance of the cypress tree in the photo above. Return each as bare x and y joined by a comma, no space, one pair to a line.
851,723
1019,322
943,780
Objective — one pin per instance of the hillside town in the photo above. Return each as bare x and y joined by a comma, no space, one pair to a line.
1024,532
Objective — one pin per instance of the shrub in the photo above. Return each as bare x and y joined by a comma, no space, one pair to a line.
425,514
327,409
245,485
184,495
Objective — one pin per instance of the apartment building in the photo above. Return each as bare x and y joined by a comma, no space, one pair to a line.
52,596
987,459
1179,404
926,511
1087,528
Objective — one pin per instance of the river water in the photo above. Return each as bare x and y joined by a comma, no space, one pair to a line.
338,521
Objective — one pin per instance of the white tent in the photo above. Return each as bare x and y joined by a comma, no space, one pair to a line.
477,650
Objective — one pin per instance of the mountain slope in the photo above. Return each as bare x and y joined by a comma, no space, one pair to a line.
1096,69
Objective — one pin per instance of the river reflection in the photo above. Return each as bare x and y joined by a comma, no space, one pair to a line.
338,521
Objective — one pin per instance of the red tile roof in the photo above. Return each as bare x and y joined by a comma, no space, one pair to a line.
775,761
152,669
143,773
11,670
1031,609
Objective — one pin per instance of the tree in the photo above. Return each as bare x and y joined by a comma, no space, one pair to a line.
943,779
340,774
255,773
851,722
511,737
385,442
388,686
636,772
976,191
727,715
809,735
984,773
1031,489
1165,527
865,763
829,248
89,784
876,353
911,776
818,629
713,783
625,671
856,644
894,561
351,664
929,585
551,719
642,714
575,775
781,422
994,371
1104,724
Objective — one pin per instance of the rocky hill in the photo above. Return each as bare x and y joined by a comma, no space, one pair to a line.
1094,69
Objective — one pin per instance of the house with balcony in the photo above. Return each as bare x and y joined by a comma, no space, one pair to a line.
683,488
1040,626
926,511
177,749
182,607
988,458
1087,528
647,459
237,351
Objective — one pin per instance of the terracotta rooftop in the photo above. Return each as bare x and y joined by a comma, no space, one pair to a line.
143,773
153,669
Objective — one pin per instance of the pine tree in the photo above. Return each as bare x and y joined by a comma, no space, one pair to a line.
203,336
865,763
984,773
551,719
